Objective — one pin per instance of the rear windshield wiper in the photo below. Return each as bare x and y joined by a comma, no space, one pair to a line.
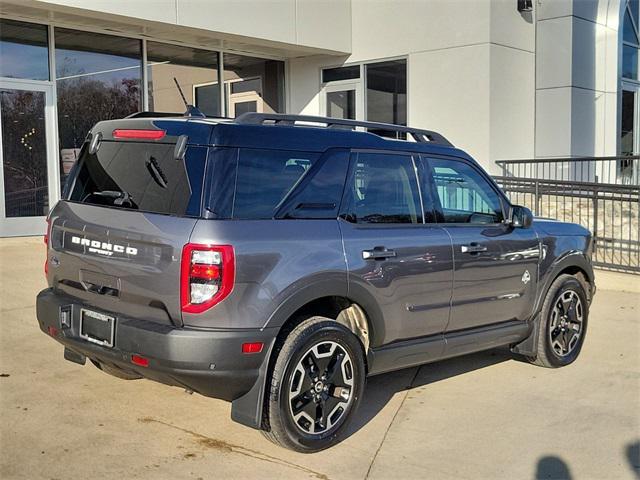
120,198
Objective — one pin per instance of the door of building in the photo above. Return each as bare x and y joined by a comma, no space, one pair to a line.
343,100
29,183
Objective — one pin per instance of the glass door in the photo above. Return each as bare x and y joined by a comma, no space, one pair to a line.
28,170
343,100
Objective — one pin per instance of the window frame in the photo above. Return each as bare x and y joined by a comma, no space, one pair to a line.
431,187
353,159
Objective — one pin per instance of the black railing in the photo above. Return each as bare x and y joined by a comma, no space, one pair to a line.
602,194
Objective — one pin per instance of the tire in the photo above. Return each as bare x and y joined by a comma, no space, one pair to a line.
563,317
306,415
116,372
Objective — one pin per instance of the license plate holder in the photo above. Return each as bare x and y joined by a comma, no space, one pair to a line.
97,327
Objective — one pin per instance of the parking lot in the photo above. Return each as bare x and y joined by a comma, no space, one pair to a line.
487,415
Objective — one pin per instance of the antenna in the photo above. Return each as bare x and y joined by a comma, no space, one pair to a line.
184,100
191,110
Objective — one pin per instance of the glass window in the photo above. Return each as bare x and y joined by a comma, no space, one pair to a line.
98,78
264,179
387,94
195,70
629,62
627,146
341,73
629,32
24,153
141,176
23,50
465,195
253,85
319,194
382,188
342,104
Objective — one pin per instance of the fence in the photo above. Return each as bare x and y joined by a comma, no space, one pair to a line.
602,194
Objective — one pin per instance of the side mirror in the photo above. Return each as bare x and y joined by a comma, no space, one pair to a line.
520,217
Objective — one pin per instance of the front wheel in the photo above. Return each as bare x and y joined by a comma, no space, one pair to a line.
316,385
563,323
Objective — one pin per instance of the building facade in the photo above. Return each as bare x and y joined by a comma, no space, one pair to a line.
500,79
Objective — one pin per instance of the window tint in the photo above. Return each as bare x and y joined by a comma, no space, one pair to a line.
264,179
464,194
319,194
382,188
140,176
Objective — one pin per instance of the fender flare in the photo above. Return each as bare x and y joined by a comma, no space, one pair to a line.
248,409
572,259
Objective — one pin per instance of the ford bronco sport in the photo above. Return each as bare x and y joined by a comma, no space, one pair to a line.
275,261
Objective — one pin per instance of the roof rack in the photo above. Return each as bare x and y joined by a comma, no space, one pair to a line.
147,114
419,135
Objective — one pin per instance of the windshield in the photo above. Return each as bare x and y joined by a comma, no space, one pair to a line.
140,176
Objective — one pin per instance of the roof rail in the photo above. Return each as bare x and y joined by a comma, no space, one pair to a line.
147,114
419,135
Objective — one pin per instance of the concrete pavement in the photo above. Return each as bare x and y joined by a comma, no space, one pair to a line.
487,415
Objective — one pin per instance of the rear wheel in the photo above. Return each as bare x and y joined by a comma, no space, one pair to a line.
563,323
316,385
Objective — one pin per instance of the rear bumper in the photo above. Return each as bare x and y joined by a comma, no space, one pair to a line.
209,362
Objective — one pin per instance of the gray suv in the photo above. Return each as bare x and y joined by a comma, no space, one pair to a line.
276,261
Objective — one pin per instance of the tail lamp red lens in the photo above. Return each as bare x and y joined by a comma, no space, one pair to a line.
207,276
139,134
139,360
253,347
46,242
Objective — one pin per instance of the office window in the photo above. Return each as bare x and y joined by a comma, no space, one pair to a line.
24,51
341,73
382,188
253,85
195,70
98,78
387,94
630,41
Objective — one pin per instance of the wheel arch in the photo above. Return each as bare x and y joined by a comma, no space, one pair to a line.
362,317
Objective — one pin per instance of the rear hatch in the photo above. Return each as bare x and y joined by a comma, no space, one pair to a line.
129,207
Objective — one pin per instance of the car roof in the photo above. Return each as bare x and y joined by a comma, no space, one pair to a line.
277,135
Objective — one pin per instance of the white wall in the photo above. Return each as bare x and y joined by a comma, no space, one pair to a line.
577,78
470,69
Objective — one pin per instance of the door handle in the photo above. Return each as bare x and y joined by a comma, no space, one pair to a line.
473,247
378,253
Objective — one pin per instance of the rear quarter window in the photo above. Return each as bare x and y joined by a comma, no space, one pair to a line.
265,178
141,176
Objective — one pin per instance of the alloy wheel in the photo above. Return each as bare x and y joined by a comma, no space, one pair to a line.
321,386
566,323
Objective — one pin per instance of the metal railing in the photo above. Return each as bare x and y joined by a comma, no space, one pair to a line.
602,194
622,170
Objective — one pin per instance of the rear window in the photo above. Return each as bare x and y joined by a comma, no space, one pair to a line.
141,176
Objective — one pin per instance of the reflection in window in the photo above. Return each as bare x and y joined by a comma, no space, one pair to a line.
383,189
253,85
630,39
342,104
23,50
24,153
387,94
195,70
98,78
465,196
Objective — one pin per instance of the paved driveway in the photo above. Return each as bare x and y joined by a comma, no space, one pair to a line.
487,415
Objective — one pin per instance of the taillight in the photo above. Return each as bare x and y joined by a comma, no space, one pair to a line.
47,235
207,276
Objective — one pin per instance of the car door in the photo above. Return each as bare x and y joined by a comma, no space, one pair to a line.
495,264
398,265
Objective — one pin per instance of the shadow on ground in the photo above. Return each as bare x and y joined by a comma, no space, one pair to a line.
380,389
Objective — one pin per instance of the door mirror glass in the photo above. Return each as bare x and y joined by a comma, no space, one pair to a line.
520,217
